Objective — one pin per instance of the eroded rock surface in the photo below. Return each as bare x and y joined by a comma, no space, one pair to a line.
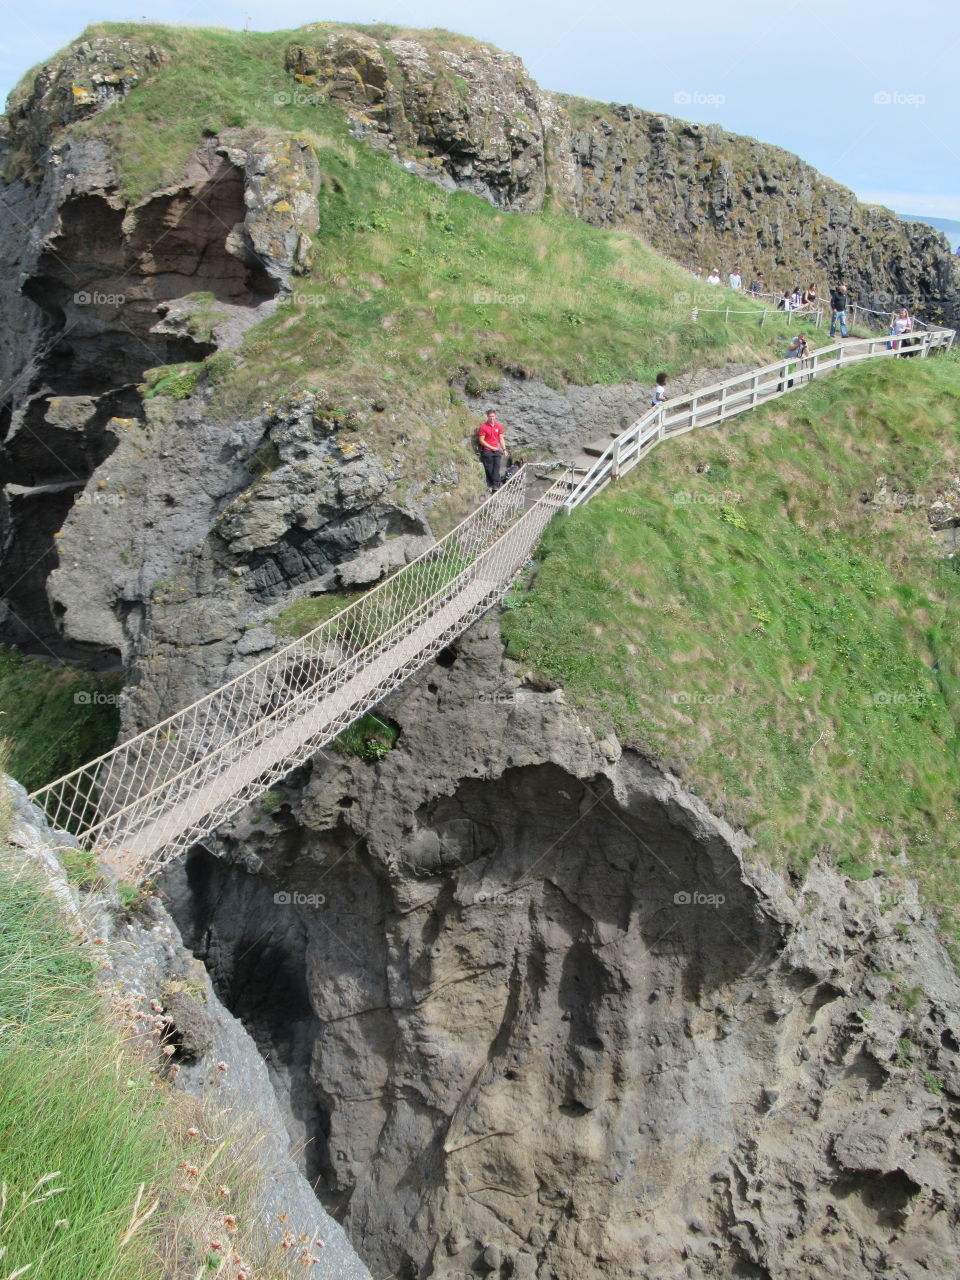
535,1011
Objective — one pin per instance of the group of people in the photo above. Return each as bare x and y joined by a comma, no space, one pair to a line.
495,454
791,300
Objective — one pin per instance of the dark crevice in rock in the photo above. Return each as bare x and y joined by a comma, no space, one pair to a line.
254,946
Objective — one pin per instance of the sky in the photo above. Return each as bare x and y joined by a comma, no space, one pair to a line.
865,92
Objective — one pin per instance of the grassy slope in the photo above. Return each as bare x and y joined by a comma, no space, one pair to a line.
54,718
66,1107
413,286
787,648
107,1174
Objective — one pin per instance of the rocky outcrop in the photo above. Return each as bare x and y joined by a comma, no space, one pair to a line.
94,291
471,111
537,1012
194,529
164,999
468,116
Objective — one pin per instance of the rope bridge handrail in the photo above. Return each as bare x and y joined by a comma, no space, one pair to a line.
162,789
159,792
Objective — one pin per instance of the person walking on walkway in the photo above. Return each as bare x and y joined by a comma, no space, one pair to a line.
901,325
838,311
493,450
659,396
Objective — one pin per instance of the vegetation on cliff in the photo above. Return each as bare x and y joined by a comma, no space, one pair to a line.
763,611
54,717
413,288
106,1173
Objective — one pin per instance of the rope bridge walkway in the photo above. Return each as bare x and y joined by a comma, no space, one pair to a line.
153,796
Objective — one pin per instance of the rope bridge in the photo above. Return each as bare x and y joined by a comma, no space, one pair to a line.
153,796
161,791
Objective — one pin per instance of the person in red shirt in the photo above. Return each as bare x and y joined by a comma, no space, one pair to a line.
493,450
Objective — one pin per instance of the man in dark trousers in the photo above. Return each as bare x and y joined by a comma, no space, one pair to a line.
838,311
493,450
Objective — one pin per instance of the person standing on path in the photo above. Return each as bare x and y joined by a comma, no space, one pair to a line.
659,396
838,311
493,450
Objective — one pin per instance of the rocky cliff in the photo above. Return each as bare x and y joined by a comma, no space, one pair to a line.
536,1012
528,1007
470,117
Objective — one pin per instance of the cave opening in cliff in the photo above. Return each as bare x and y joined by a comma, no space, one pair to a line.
108,275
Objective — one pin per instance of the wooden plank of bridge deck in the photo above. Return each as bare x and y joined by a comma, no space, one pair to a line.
282,744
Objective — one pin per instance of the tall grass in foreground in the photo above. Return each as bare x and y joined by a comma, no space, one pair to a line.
80,1129
105,1172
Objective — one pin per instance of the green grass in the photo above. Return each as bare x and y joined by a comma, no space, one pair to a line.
107,1174
413,288
78,1134
789,649
305,614
369,738
54,718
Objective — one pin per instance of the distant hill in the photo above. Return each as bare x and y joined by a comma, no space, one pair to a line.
949,227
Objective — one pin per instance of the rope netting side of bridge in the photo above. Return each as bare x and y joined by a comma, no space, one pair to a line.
140,804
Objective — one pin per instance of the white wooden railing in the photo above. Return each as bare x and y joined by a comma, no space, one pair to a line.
712,405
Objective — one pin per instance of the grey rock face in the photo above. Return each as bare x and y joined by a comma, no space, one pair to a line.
148,975
538,1012
471,112
549,422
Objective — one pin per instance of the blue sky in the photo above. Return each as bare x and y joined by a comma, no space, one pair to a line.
863,91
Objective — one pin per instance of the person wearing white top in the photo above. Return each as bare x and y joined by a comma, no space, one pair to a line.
734,279
713,277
